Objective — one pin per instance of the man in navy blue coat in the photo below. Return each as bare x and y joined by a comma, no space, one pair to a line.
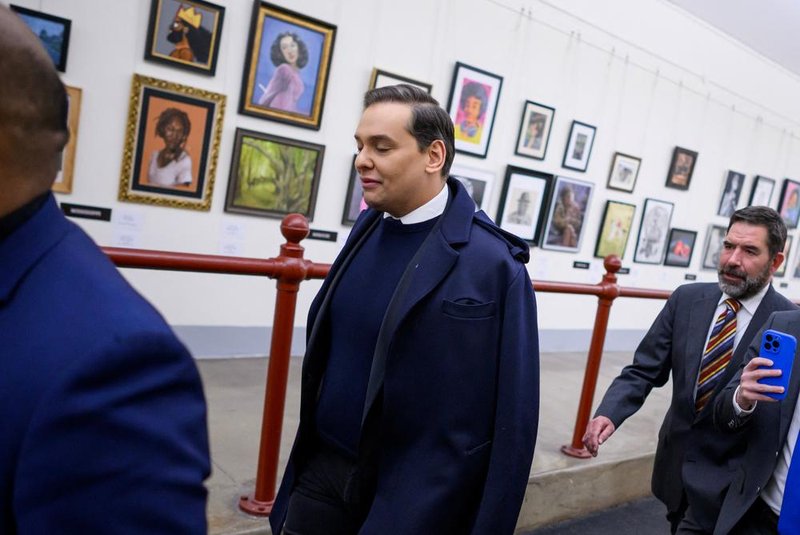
420,388
102,416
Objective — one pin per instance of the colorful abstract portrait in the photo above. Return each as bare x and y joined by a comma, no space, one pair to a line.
473,102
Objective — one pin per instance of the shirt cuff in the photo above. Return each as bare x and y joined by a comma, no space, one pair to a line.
737,409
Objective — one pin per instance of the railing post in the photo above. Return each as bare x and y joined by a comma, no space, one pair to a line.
294,228
610,291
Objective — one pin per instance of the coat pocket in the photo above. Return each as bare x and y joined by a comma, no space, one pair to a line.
466,308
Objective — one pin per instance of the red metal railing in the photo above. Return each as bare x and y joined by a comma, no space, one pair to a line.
290,269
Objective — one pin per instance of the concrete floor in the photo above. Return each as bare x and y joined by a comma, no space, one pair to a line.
560,487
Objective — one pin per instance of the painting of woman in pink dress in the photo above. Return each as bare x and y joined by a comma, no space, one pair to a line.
289,54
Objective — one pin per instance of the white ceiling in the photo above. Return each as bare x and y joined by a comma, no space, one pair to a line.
769,27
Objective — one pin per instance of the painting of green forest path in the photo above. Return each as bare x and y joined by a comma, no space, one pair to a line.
273,176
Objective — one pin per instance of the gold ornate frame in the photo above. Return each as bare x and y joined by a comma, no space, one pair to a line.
131,188
63,183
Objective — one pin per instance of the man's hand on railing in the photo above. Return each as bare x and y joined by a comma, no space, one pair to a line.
597,432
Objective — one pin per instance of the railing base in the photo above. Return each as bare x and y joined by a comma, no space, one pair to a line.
251,506
578,453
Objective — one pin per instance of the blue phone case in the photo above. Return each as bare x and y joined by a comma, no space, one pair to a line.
780,349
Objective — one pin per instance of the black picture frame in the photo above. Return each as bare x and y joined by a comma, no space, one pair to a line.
41,24
761,192
615,229
381,78
731,191
565,226
680,247
298,193
269,23
355,193
579,146
524,185
789,204
681,168
653,231
473,83
200,21
624,172
711,252
542,117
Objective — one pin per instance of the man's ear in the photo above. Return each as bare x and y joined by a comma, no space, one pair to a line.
777,261
436,156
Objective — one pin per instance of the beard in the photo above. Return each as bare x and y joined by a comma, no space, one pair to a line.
749,286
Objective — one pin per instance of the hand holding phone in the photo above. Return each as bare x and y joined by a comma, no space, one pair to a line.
780,348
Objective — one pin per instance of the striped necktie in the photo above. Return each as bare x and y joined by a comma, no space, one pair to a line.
717,354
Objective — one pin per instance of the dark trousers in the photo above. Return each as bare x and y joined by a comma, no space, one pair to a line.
758,520
327,498
674,517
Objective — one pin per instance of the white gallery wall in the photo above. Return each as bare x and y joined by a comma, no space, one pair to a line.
647,75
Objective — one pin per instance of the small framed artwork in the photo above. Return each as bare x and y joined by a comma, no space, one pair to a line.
382,78
653,231
681,168
63,182
534,130
680,247
185,34
716,235
614,229
354,201
261,183
624,172
569,204
731,190
478,183
52,31
787,249
796,272
579,146
789,206
474,94
761,194
286,66
171,144
522,202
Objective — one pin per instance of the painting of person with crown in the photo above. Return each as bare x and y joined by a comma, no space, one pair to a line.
185,34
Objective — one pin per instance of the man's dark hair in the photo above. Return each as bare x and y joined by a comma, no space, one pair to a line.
429,121
276,54
474,89
167,116
768,218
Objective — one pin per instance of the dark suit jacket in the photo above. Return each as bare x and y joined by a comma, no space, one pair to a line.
452,402
686,454
102,417
763,432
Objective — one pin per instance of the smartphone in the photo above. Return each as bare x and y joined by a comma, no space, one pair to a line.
780,349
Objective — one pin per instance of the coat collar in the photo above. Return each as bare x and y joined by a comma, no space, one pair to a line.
26,245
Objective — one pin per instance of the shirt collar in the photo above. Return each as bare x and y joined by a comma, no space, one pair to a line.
433,208
751,303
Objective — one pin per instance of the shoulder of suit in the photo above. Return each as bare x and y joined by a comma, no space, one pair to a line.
517,247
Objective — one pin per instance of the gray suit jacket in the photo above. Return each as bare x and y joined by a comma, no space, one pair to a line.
764,431
687,458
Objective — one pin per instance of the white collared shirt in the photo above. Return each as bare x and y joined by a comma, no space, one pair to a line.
433,208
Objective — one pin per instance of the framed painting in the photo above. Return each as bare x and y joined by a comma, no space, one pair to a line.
716,235
569,204
624,172
286,66
382,78
681,168
680,247
478,183
63,182
579,146
614,229
52,31
354,201
474,94
731,190
534,130
789,206
171,144
273,176
653,231
185,34
787,249
761,194
522,202
796,272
